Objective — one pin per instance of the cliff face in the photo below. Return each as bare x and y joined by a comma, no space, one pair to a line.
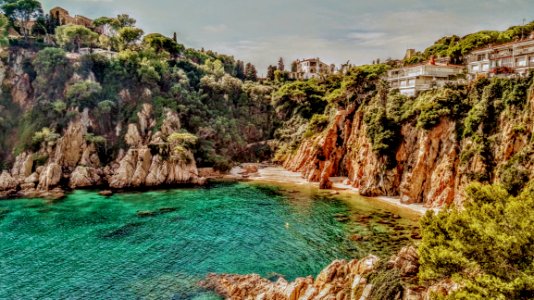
432,166
72,161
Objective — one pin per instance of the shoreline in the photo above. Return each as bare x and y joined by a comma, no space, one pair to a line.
278,174
261,173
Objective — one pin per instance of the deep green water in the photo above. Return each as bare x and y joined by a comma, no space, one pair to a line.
158,245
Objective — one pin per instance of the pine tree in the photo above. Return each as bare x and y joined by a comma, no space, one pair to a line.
270,72
250,72
240,70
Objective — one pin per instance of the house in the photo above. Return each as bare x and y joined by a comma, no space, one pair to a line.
64,18
310,68
511,58
411,80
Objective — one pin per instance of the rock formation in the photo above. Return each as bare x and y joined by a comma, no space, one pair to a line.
72,161
341,280
431,166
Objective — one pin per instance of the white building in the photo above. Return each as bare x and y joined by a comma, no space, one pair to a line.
310,68
413,79
511,58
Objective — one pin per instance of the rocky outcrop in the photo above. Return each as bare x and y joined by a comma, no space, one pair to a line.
431,166
340,280
85,177
50,176
73,162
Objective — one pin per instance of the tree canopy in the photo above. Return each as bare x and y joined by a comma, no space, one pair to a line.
73,37
21,12
487,247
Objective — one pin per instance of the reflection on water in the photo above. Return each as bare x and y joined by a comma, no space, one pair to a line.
159,244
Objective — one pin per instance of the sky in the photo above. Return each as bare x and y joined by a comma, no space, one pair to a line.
261,31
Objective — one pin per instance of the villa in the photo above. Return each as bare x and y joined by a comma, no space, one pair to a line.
310,68
411,80
511,58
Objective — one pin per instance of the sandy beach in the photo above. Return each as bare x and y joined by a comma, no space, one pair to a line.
280,175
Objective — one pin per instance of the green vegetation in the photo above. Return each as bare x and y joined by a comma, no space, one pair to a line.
486,247
456,48
73,37
20,13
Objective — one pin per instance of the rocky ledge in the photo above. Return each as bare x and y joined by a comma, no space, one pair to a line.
72,161
341,280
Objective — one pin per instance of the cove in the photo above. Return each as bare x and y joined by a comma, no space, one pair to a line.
159,244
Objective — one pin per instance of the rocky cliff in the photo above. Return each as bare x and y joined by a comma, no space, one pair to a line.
72,161
368,278
430,165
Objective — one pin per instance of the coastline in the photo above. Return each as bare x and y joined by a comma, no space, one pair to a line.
277,174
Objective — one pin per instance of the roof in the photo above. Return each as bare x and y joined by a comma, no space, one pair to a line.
492,47
310,59
427,64
59,8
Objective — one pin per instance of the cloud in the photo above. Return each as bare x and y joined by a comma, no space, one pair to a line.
261,31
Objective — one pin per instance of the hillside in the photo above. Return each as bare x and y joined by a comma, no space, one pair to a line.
147,113
425,149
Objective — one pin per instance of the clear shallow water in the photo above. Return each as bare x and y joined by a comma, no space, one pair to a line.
155,245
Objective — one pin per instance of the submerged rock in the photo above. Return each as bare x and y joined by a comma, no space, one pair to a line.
106,193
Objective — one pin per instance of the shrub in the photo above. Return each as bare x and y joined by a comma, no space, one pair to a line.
84,93
317,124
45,135
487,247
383,132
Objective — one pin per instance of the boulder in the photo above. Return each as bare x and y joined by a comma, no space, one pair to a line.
7,182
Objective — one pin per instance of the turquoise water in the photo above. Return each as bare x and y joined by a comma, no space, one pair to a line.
159,244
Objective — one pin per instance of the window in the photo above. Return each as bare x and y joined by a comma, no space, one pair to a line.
521,62
403,83
485,67
475,68
411,82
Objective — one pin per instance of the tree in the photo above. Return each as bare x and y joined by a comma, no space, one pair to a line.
270,72
84,94
53,70
240,70
122,21
129,36
250,72
487,247
21,12
72,37
161,43
4,24
281,66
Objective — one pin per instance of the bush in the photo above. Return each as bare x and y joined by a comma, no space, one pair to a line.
316,125
383,132
487,247
52,70
45,135
84,94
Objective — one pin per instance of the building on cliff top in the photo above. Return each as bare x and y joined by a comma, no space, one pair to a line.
506,59
411,80
64,18
310,68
